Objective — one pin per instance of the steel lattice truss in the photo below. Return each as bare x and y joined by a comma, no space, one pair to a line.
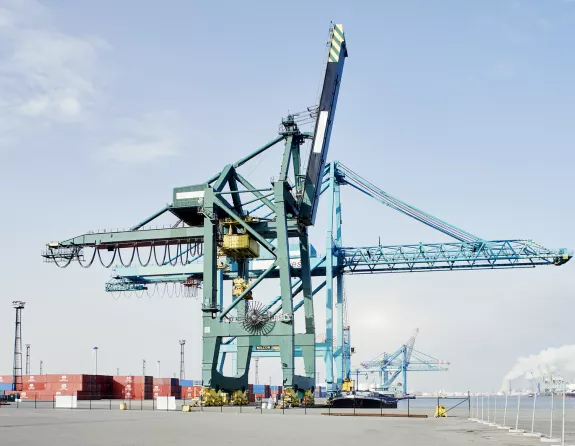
448,256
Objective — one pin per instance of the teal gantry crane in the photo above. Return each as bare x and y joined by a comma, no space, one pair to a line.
228,229
390,366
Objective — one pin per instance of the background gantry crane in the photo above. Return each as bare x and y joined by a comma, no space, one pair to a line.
229,229
390,366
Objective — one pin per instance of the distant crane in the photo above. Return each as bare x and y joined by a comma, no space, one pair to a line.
404,359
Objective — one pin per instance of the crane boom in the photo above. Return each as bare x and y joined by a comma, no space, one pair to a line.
323,126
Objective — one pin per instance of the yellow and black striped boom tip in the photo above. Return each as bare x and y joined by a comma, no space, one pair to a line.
337,44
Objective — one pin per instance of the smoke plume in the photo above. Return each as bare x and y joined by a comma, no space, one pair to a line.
557,359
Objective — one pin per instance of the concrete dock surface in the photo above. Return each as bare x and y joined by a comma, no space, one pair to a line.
66,427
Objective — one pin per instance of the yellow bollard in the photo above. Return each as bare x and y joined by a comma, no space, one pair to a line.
186,408
440,412
123,406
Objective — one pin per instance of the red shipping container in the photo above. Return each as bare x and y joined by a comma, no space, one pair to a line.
34,387
174,382
28,379
66,386
6,379
76,379
189,392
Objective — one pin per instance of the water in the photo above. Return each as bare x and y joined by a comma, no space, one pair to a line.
543,402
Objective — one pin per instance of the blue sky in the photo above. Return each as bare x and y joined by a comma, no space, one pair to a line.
464,109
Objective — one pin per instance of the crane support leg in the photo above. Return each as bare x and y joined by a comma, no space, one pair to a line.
307,340
329,284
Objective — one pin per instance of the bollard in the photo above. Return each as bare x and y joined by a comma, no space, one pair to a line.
517,430
533,433
408,407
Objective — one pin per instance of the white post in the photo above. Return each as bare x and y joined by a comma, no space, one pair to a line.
488,407
477,406
482,408
563,419
516,430
495,411
532,433
551,414
504,425
533,416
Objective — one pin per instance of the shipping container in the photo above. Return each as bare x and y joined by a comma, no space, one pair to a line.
6,378
174,382
5,386
189,392
76,379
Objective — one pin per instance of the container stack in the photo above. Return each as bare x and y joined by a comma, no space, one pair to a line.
5,384
258,392
276,391
132,387
190,389
320,392
46,387
167,387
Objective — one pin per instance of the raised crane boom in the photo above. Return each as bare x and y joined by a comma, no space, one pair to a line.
323,126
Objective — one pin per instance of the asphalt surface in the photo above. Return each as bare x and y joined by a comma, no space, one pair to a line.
105,424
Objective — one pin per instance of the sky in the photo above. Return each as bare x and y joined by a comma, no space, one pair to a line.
462,108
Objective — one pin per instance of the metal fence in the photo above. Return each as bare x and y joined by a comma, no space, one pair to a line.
550,418
421,407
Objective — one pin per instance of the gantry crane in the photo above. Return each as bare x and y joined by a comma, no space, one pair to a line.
221,226
389,366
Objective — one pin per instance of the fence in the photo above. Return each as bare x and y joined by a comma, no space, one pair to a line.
546,417
421,407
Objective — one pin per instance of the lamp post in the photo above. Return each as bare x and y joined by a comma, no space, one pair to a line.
95,350
158,363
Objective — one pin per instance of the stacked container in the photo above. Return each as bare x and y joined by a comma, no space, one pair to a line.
46,387
167,387
276,391
132,387
320,392
257,392
190,392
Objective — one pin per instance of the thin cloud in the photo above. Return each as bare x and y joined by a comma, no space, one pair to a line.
145,139
45,73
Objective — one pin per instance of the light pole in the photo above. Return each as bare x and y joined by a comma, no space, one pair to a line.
95,350
158,363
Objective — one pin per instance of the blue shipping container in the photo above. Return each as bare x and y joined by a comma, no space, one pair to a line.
197,383
186,382
5,386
